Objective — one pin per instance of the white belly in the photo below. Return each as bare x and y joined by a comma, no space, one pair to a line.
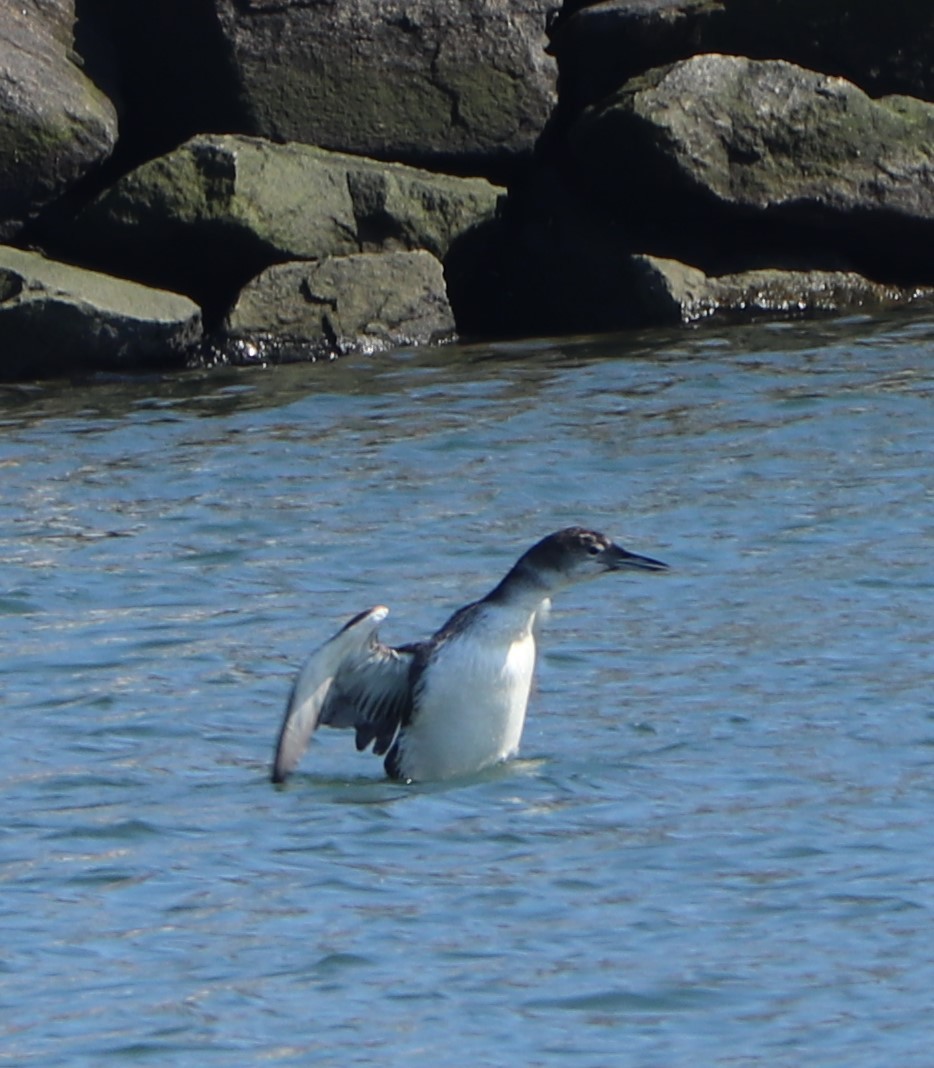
471,709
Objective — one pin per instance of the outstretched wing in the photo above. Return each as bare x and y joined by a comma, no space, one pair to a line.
353,680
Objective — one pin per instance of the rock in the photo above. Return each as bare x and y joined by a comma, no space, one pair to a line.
341,304
737,140
56,319
883,48
55,125
209,216
673,292
462,85
766,135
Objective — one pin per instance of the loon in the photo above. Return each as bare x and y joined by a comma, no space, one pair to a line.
454,704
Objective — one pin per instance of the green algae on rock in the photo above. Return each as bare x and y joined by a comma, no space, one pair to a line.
209,216
360,303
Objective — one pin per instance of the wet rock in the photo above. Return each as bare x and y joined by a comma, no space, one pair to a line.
737,140
360,303
55,125
465,86
673,292
57,319
209,216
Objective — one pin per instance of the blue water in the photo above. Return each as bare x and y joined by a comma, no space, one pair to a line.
716,845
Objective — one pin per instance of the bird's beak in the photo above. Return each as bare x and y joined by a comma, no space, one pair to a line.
618,559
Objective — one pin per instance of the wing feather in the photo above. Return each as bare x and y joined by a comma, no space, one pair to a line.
352,680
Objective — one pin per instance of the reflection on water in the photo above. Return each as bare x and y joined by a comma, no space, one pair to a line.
715,845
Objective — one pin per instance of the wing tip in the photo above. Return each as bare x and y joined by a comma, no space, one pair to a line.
286,757
373,615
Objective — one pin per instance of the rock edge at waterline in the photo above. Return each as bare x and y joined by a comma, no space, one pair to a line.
58,319
365,302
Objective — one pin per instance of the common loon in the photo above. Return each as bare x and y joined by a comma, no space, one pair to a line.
453,704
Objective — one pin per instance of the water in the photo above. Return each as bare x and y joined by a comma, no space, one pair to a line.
715,848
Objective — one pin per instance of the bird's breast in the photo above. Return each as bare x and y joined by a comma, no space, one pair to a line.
470,706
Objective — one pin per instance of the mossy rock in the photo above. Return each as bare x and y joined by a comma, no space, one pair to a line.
209,216
365,302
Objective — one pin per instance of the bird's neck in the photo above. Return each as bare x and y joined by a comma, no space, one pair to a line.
523,589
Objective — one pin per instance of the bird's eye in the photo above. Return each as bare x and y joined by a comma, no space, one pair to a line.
593,549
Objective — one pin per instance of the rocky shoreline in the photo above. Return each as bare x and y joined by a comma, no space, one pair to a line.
252,180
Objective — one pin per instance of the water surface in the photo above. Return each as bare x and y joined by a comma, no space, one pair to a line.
715,848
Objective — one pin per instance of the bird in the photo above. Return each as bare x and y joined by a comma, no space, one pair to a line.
455,704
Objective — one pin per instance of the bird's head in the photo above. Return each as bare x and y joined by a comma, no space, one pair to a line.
575,553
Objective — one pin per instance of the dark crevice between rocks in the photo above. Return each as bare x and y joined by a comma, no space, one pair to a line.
673,219
167,85
564,258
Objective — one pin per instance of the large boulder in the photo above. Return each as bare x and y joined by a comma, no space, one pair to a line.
55,125
747,143
884,48
209,216
56,319
453,84
341,304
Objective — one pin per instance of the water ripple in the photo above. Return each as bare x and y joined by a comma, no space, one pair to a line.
715,846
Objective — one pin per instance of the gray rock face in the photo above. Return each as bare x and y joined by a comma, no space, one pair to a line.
767,135
770,145
341,304
54,124
463,84
209,216
56,319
